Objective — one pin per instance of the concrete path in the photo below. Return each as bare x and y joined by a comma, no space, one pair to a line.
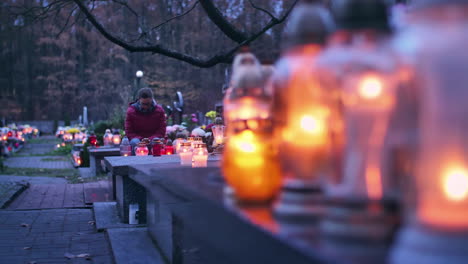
51,221
32,179
51,236
42,162
44,196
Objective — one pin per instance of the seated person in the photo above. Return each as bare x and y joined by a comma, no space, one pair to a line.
145,119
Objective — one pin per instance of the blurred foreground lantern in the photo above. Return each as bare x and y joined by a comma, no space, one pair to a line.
249,163
141,149
361,215
302,114
185,153
369,97
200,155
125,148
437,225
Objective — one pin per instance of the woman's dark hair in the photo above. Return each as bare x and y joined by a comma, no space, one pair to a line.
145,93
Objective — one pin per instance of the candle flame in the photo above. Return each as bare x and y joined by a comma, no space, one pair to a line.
370,87
245,142
312,124
455,184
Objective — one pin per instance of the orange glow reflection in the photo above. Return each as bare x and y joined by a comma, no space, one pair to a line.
373,183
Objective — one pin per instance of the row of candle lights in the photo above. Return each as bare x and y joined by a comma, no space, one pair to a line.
191,151
331,120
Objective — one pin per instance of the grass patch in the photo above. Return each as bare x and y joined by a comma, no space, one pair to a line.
70,174
44,141
99,177
62,151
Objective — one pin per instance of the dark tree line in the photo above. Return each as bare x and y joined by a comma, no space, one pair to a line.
60,55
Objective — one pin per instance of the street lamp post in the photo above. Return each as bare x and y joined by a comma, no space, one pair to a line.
139,75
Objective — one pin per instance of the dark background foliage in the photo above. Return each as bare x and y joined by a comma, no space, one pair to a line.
52,66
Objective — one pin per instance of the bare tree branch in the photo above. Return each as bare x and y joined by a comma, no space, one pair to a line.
220,21
263,10
175,17
225,57
66,22
124,3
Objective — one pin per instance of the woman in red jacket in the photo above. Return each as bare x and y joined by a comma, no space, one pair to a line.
145,118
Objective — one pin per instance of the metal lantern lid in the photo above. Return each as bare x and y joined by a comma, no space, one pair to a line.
200,145
185,144
309,23
362,14
141,144
218,120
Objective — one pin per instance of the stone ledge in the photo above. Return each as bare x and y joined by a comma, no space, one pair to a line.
106,217
133,246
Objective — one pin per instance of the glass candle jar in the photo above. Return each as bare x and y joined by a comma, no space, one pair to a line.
156,147
141,149
185,154
125,148
116,139
200,155
218,134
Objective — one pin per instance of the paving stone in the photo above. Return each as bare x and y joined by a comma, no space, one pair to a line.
47,244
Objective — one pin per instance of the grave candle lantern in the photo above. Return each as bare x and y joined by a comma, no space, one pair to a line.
67,137
302,114
368,97
185,153
169,148
436,228
93,140
200,155
125,148
249,163
156,147
218,134
116,139
107,138
141,149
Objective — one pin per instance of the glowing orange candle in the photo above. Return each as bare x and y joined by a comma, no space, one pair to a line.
250,167
250,163
116,139
444,196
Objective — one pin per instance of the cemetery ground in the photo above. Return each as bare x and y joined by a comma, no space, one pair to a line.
46,211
